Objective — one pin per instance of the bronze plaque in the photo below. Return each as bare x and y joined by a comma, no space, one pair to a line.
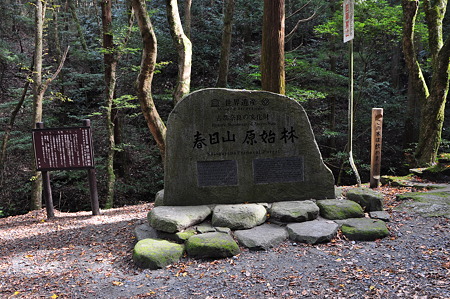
217,173
278,170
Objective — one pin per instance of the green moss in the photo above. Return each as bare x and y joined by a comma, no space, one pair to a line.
401,181
444,156
212,245
438,168
339,209
186,234
155,254
443,196
364,229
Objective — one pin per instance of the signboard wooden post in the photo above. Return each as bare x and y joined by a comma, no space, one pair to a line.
348,37
375,156
65,149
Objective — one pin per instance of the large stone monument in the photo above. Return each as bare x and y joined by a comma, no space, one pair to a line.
235,146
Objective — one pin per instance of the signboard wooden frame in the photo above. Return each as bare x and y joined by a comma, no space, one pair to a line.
65,149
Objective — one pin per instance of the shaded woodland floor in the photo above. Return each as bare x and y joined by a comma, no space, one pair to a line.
76,255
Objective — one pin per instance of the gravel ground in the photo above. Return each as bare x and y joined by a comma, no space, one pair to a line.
76,255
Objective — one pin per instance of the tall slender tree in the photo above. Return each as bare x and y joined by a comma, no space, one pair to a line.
433,95
184,49
39,88
228,8
145,77
36,192
272,51
187,18
110,82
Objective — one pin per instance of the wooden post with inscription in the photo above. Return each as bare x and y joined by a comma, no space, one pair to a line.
375,157
65,149
92,180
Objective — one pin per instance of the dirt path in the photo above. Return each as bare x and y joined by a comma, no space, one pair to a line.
76,255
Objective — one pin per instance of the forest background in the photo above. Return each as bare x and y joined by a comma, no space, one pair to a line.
316,66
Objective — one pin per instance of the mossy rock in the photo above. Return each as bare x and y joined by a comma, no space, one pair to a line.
427,204
364,229
397,181
155,254
185,235
368,199
339,209
212,245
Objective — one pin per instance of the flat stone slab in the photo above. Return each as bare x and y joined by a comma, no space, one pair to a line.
294,211
212,245
145,231
205,227
312,232
155,254
339,209
427,204
381,215
242,216
261,237
364,229
171,219
368,199
233,146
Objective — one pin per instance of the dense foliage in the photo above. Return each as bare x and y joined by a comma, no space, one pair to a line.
316,76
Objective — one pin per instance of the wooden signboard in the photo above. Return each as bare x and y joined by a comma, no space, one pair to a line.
65,149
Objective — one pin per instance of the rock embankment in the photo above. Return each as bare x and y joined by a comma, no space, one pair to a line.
217,231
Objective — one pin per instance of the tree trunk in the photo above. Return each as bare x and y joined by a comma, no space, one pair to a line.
184,49
187,18
434,97
73,11
411,133
333,68
110,83
145,77
226,43
272,51
12,120
36,189
55,30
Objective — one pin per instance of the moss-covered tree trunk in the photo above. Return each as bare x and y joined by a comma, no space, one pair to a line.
38,95
433,96
110,84
272,51
184,49
145,77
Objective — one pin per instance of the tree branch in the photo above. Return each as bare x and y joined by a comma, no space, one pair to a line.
298,10
60,66
290,34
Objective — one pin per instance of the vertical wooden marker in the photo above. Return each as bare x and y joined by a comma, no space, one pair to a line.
375,156
92,180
